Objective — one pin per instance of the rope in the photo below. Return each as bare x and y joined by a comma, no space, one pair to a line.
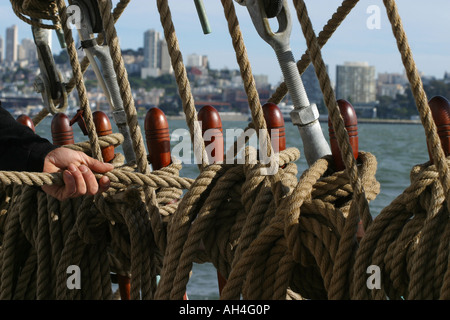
184,88
301,240
421,235
250,89
114,139
360,206
409,241
81,88
45,10
197,214
124,85
88,232
418,93
119,179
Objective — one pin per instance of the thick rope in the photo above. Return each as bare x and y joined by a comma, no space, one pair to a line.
184,87
81,88
409,241
193,220
419,94
44,240
27,10
403,205
360,207
119,179
124,85
250,88
303,233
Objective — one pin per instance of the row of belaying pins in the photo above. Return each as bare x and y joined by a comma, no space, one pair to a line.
158,142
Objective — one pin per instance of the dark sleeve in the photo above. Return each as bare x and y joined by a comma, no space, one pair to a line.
20,148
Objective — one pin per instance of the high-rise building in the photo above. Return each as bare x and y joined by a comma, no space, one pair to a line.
1,49
355,81
11,43
151,48
156,55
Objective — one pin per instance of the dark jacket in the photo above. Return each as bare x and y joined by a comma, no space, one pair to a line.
20,148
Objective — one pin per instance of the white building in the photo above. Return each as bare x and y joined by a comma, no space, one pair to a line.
355,81
197,60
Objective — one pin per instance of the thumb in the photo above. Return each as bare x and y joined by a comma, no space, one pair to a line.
98,166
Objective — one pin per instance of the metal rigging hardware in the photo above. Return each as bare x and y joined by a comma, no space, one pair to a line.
49,82
89,24
305,115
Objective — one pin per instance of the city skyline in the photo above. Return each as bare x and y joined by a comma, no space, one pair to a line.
374,46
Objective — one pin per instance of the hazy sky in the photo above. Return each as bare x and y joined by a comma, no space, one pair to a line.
427,25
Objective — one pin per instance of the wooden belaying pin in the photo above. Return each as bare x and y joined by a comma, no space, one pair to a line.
440,109
158,138
275,126
351,125
212,133
62,132
214,145
26,121
103,128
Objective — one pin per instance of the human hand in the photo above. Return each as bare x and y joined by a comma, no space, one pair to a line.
78,178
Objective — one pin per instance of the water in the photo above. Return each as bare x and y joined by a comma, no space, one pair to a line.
397,147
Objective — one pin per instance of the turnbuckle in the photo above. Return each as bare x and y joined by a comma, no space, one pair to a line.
305,115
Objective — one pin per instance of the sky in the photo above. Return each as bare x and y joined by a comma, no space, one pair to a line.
426,23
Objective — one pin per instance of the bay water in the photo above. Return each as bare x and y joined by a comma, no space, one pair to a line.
397,148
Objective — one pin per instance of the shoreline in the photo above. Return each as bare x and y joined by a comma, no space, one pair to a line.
232,116
382,121
245,117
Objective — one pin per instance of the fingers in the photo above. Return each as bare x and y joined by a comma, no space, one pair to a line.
62,192
98,166
90,182
78,175
78,181
103,184
86,182
69,188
